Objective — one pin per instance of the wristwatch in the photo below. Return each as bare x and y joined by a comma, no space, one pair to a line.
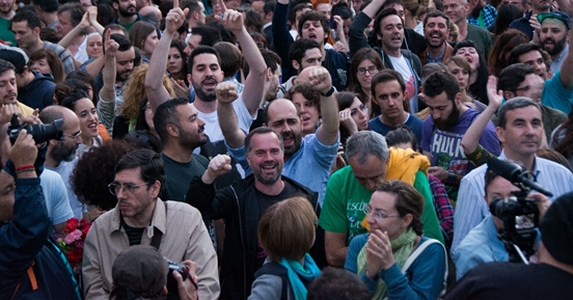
329,93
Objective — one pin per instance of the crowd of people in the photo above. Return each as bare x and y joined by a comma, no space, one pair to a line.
288,149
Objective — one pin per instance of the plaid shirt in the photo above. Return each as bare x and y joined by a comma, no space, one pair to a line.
443,208
486,17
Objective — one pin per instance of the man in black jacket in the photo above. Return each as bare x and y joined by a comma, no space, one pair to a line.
32,266
242,204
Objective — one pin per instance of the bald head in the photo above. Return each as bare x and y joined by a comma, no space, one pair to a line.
54,112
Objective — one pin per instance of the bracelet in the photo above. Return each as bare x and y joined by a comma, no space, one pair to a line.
24,168
329,93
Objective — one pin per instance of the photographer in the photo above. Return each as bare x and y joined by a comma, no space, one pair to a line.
482,244
31,265
549,279
141,271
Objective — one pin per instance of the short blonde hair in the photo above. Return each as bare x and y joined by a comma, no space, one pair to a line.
287,229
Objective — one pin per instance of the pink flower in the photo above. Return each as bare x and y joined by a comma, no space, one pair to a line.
73,236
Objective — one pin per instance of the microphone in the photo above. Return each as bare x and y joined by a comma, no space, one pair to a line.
515,173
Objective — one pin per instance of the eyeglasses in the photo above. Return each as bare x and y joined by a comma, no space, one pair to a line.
362,107
372,70
75,137
378,215
127,188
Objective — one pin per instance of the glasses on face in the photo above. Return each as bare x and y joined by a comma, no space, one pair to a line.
362,108
372,70
127,188
378,215
74,137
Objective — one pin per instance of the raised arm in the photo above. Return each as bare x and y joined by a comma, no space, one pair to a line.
226,94
471,137
106,103
75,32
254,89
320,80
567,76
156,92
356,38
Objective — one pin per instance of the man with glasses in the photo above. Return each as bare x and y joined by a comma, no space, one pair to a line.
349,190
142,218
389,92
61,154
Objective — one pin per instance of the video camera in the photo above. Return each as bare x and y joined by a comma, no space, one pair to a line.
519,214
40,132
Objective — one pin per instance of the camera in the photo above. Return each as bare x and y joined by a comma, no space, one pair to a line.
519,214
172,289
40,132
520,217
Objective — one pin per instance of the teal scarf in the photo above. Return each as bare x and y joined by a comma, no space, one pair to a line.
295,271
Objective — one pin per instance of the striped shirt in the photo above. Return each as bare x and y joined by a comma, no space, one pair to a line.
471,208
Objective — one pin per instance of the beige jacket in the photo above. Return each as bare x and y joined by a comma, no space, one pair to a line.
184,237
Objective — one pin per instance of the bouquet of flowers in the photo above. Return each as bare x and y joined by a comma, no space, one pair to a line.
72,241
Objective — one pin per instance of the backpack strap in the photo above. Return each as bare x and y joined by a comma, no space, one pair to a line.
414,255
273,268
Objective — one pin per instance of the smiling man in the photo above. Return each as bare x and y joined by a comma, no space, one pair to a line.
436,32
242,205
142,218
555,27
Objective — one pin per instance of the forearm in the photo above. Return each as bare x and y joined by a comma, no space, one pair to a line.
229,124
356,38
108,90
254,89
328,131
106,111
67,40
95,66
156,92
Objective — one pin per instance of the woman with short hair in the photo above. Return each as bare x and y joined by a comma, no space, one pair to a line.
382,257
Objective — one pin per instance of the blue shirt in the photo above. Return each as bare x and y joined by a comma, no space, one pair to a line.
424,279
414,123
481,245
555,95
310,164
471,207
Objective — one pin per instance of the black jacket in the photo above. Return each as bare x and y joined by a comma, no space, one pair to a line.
25,243
238,205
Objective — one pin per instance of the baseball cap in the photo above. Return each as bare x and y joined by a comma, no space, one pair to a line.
556,228
561,16
17,59
141,270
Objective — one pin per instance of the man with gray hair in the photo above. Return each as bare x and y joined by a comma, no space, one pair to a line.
520,130
349,190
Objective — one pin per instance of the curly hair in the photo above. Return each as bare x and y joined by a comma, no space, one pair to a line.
95,170
565,146
134,91
503,45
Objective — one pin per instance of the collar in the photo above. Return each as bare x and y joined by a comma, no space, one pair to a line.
536,170
431,59
158,220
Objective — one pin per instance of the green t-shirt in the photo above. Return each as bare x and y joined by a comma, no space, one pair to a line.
346,198
6,34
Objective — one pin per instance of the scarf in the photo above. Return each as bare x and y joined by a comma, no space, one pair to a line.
403,164
295,271
402,247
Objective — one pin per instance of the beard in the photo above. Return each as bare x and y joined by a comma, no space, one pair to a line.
558,46
268,179
123,76
450,121
204,95
296,138
61,152
192,140
127,12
